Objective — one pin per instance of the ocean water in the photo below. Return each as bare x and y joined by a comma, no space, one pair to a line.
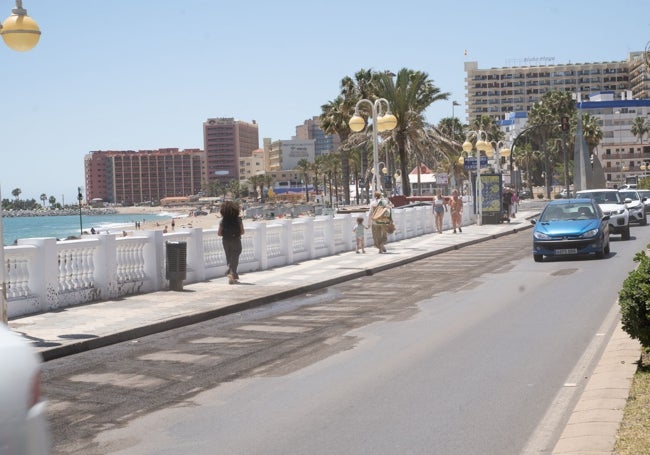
68,225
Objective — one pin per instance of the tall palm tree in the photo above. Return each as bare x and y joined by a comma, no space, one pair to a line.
16,193
489,125
639,128
305,166
43,199
409,95
591,131
256,181
336,114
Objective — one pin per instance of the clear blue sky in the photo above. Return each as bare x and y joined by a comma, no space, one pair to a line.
145,74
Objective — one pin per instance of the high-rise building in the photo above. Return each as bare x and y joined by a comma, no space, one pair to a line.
324,143
130,177
226,140
496,92
285,155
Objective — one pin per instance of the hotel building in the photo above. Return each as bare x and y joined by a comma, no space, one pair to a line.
130,177
496,92
226,141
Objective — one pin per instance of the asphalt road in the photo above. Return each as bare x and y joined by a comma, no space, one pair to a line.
461,353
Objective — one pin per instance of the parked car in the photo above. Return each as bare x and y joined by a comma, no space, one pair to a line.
23,427
645,194
636,205
612,204
570,227
525,194
563,194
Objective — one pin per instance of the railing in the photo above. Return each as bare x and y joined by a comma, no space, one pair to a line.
44,274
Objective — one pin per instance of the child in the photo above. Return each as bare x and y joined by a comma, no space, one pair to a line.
360,235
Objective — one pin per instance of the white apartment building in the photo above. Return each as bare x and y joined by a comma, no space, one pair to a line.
499,91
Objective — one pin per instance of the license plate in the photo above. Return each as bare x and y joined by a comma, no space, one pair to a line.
566,251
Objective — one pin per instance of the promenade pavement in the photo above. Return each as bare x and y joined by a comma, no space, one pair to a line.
594,422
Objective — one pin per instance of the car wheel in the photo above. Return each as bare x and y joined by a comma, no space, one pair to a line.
644,221
626,233
538,257
606,249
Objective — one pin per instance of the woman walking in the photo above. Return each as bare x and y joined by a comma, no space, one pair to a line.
439,209
231,228
456,210
378,220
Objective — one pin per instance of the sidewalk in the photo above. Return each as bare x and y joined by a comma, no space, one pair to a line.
594,422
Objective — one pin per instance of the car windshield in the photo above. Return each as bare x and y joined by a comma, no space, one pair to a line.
630,194
568,212
603,197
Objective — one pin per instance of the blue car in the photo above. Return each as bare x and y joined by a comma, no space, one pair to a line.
570,227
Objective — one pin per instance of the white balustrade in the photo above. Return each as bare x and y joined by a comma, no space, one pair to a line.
44,274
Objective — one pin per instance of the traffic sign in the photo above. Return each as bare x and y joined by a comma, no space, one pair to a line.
470,162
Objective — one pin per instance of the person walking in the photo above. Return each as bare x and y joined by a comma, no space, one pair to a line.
359,234
514,203
456,210
378,219
439,209
231,228
507,203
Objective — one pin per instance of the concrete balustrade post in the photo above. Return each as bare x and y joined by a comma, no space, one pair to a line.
105,261
43,273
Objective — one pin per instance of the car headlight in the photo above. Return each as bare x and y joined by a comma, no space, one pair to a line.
619,211
541,236
591,233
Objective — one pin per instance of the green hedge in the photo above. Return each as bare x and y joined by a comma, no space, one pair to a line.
634,299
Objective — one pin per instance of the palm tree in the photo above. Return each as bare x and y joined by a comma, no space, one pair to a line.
43,199
267,179
489,125
409,95
591,131
318,168
305,166
16,193
52,200
639,128
256,181
332,168
336,114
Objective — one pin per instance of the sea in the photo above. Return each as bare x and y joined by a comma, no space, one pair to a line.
64,226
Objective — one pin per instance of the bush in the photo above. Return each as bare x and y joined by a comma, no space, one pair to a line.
540,195
634,299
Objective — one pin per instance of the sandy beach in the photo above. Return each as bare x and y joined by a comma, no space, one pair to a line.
181,217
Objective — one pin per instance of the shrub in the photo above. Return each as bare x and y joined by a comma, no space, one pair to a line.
540,195
634,299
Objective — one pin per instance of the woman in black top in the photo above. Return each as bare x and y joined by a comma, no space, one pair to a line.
231,228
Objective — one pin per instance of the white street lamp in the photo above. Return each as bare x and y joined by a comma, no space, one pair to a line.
482,145
20,33
380,122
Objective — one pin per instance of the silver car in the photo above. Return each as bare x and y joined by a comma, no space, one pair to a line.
23,427
635,205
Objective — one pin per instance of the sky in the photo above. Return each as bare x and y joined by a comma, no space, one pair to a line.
146,74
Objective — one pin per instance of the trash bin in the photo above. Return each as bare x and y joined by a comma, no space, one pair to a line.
176,264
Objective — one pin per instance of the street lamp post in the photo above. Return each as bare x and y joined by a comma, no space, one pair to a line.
380,122
497,150
80,198
20,33
482,145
